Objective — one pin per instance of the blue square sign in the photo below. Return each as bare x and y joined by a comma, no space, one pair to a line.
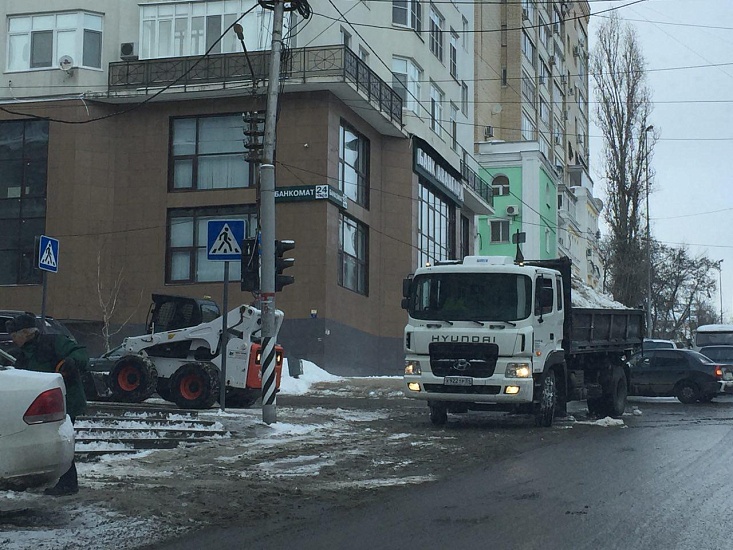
224,240
48,254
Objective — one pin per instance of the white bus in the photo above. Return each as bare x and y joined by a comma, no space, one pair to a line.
713,335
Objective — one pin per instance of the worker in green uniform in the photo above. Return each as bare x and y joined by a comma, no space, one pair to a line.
53,353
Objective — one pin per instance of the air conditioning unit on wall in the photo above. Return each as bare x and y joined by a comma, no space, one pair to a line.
512,210
128,51
488,132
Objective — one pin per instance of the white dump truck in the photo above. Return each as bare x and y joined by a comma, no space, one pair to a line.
486,333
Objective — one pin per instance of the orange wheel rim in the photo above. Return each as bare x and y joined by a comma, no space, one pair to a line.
129,378
192,387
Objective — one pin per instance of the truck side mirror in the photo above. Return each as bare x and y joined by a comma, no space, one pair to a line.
406,284
405,304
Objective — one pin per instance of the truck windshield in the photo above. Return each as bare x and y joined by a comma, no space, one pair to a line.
471,297
714,338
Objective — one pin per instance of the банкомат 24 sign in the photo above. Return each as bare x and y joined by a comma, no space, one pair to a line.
301,193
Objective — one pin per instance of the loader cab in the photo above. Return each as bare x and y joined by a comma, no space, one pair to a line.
176,312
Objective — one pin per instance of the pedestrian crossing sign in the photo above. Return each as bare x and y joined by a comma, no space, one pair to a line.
224,242
48,254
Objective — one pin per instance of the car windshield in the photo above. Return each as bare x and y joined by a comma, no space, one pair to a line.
471,297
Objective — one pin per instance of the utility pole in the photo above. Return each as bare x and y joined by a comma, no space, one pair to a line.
648,239
267,221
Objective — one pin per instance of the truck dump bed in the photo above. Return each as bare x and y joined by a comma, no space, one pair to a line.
590,330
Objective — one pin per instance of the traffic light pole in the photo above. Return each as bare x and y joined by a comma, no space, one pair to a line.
267,222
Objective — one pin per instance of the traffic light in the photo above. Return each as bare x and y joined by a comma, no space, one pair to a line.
281,264
250,265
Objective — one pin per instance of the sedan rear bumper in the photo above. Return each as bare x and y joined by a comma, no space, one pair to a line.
36,456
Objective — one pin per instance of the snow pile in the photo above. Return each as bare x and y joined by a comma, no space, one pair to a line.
583,295
301,385
606,422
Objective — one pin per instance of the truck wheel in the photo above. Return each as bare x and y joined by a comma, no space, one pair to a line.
687,392
241,399
545,409
195,386
616,401
133,379
438,414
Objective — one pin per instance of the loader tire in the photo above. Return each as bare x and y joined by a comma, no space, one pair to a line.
195,386
132,380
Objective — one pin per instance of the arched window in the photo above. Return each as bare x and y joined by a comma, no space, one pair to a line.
500,186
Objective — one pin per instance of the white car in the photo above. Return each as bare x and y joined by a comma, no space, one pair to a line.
36,434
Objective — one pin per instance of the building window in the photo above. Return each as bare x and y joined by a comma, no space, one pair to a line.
436,227
464,98
544,111
207,153
528,127
39,41
528,48
436,109
23,168
354,165
353,264
407,13
529,90
453,54
500,186
453,127
436,33
406,78
186,254
464,33
500,231
177,29
345,38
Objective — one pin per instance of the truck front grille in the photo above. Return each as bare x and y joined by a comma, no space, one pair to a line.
469,390
462,359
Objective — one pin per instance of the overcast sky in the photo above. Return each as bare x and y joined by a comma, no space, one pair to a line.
692,197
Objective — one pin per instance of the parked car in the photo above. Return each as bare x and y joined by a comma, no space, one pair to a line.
722,354
685,374
50,326
36,435
651,343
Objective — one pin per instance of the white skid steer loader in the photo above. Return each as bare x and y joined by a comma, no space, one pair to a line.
183,365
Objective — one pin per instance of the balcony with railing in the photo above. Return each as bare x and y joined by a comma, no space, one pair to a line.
333,68
477,184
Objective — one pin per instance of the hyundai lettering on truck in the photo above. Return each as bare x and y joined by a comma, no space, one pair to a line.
486,333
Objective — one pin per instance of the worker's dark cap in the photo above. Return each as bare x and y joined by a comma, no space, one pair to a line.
19,322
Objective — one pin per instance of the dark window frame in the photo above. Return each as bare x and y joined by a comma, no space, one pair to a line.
197,156
24,212
361,169
360,264
195,214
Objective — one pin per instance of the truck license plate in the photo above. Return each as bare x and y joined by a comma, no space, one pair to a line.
458,381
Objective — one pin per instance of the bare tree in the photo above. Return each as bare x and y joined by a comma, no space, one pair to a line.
109,300
680,286
622,114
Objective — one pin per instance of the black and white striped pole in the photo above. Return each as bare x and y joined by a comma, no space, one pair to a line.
267,222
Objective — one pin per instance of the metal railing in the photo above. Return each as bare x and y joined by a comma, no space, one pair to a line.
477,183
232,71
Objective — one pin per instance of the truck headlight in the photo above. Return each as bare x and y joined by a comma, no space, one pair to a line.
518,370
412,367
